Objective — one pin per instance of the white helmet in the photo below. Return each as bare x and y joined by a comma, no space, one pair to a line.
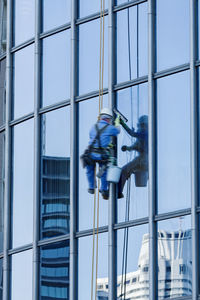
107,112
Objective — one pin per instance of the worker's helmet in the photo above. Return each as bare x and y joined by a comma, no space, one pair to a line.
143,121
106,113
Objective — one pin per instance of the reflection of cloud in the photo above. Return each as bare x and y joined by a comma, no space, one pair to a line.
174,269
26,7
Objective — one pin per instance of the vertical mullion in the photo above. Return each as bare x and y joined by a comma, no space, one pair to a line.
7,196
112,200
194,145
152,152
36,189
73,154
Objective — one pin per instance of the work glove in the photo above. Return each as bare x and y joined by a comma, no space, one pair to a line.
124,148
117,121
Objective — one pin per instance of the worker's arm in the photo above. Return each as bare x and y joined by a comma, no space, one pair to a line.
130,131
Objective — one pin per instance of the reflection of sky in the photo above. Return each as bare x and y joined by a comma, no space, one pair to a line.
23,81
23,184
85,264
173,30
173,142
24,20
22,275
57,133
61,13
86,201
87,7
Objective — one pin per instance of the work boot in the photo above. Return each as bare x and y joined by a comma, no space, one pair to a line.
91,191
120,195
105,195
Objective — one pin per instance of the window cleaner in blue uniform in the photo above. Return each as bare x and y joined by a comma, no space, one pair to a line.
98,150
139,165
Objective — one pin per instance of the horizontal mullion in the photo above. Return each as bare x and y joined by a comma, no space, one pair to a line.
55,30
23,45
54,106
174,214
20,249
128,5
2,128
53,240
171,71
21,119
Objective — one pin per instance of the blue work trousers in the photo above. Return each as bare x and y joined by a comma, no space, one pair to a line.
92,180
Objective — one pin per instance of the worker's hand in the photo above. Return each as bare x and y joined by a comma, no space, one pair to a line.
124,148
117,121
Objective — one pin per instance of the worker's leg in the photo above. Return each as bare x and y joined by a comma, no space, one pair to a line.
104,183
90,176
127,170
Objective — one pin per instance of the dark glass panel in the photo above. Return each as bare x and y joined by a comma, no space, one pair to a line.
173,115
174,248
55,173
22,191
54,271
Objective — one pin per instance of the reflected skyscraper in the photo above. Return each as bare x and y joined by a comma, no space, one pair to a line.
174,269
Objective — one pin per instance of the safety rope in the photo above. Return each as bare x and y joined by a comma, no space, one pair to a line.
101,76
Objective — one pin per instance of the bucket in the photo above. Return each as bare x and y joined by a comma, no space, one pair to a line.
113,174
141,178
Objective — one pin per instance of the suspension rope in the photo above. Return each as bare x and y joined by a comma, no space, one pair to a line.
96,205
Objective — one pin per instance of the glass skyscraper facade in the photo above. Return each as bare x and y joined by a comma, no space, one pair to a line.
146,245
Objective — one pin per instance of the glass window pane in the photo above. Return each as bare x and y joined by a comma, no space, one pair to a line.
198,29
54,271
56,68
88,7
174,258
89,53
133,270
55,173
24,20
1,279
2,91
86,200
132,42
21,285
2,178
172,33
22,209
173,114
85,267
55,13
133,104
3,27
23,85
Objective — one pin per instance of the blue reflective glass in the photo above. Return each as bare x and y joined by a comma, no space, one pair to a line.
173,33
174,258
198,29
89,56
55,173
133,270
173,143
22,275
133,104
54,271
132,42
2,179
88,7
56,68
1,279
85,267
24,20
23,82
88,113
2,91
22,192
55,13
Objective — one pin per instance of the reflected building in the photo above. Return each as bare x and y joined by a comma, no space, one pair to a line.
174,270
3,13
55,208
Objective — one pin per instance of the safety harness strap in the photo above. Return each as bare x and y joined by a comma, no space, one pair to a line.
97,137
